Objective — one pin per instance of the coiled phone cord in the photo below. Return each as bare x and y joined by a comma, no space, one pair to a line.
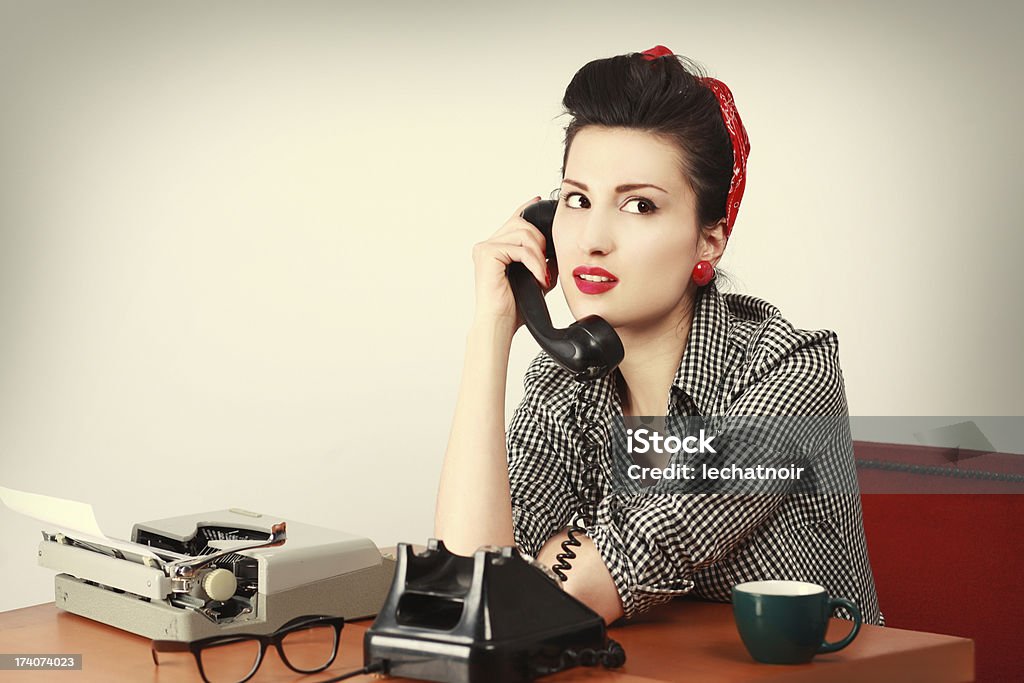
612,656
590,492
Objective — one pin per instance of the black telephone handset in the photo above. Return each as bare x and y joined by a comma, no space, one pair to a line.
589,348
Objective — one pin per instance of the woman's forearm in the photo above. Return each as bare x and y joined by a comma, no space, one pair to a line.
473,503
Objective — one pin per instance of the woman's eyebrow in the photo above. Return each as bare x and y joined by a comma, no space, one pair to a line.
620,189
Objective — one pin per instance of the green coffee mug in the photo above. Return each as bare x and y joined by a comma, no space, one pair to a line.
784,622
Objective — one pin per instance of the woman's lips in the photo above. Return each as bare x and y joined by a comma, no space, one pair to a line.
593,280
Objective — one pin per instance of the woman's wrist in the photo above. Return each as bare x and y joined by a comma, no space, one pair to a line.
498,328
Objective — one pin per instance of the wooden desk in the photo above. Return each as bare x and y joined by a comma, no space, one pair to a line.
682,641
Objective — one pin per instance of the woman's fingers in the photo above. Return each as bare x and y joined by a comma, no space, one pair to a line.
524,235
505,253
522,207
516,241
516,220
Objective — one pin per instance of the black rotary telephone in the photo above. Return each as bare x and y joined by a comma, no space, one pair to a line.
589,348
490,618
493,617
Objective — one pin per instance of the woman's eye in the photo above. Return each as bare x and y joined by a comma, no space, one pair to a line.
575,200
639,205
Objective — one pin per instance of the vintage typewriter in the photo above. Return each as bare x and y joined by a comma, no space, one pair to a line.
194,576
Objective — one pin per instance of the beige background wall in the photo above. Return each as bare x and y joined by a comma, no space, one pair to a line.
235,239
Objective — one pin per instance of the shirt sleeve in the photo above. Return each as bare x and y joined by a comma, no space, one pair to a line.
655,541
541,495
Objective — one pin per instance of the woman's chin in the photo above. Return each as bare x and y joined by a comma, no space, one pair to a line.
580,311
632,321
617,312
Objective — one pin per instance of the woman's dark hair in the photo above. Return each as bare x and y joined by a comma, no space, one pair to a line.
662,96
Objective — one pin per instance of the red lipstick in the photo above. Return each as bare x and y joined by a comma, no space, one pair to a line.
596,280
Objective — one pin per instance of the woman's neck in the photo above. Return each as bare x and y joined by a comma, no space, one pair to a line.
650,364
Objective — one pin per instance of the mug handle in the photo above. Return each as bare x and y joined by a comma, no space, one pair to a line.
827,647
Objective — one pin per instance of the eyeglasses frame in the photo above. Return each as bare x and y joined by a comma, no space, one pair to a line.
196,647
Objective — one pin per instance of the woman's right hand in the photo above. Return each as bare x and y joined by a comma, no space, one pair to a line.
516,240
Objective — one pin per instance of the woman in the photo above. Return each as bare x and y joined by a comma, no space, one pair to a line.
653,174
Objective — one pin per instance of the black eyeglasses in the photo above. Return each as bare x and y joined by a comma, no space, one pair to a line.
306,645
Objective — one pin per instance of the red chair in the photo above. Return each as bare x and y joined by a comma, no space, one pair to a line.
948,559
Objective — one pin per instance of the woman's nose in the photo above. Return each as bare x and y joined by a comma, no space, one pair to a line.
595,235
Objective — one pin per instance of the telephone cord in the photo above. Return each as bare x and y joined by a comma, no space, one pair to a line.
377,667
590,489
612,656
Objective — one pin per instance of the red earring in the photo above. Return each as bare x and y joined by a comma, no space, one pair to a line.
703,273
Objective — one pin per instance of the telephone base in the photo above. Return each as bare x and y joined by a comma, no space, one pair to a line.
490,618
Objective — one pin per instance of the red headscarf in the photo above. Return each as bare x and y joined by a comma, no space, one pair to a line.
737,135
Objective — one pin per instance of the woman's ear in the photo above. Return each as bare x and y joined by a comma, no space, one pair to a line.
712,242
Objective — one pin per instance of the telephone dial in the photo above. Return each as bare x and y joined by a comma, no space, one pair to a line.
498,616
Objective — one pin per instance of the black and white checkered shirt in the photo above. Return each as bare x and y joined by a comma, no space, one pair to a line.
742,359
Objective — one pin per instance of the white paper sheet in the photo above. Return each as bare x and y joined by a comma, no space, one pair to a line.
73,518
